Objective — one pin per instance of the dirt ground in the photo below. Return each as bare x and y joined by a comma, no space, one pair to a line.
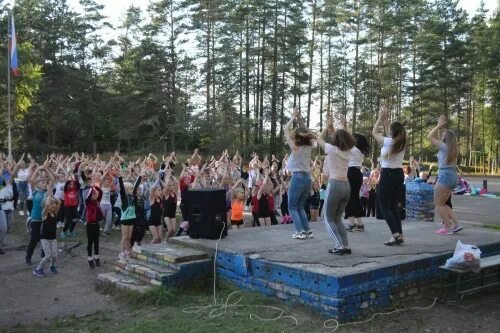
69,302
27,299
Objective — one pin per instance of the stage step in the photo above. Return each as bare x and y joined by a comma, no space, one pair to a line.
122,281
145,271
157,265
171,253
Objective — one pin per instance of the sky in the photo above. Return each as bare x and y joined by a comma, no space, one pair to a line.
114,9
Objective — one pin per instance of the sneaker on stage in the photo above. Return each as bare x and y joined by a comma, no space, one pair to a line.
299,235
443,231
350,227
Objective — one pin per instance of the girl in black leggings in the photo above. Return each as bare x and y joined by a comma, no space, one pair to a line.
354,210
391,175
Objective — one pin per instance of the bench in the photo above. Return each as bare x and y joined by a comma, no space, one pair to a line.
487,264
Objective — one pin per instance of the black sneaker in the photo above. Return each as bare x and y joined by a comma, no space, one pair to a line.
97,262
91,263
340,251
360,227
351,227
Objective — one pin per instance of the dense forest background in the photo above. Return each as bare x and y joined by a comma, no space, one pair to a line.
226,73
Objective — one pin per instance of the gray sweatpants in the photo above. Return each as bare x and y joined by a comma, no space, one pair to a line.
337,196
49,247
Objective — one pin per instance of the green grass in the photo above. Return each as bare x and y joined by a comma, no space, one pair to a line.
162,310
492,226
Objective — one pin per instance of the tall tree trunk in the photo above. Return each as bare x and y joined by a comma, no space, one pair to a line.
321,90
257,93
247,81
274,79
311,60
356,67
240,83
173,61
208,65
262,85
283,78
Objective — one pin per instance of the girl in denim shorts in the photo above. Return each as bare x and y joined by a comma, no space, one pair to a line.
447,176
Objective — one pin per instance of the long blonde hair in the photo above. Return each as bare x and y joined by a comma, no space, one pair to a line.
450,139
48,201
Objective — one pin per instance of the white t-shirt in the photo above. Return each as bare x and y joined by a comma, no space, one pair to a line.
336,161
23,175
357,158
396,161
7,193
106,196
59,187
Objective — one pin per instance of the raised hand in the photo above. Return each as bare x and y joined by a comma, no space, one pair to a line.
296,112
441,121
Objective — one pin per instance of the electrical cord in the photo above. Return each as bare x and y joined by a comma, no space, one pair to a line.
234,299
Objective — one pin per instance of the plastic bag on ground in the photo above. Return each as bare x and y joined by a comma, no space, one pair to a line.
466,257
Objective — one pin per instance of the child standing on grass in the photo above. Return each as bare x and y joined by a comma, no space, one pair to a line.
94,215
48,236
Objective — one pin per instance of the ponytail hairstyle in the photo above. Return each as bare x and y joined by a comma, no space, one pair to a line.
450,139
303,136
398,132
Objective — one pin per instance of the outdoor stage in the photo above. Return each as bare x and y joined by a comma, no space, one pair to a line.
374,277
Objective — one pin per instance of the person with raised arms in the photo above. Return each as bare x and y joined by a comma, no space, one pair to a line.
391,174
301,142
338,155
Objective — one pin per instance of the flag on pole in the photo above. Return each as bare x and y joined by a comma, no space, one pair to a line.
13,48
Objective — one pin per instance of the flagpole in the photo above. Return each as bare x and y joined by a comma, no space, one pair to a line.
9,122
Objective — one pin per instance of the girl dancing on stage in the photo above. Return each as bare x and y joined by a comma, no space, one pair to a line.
391,175
338,190
447,176
300,141
354,209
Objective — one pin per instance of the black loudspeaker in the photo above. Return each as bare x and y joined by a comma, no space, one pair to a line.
206,212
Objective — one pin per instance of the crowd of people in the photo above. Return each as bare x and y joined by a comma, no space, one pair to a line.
63,194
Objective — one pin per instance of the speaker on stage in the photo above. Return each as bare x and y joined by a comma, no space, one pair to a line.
206,212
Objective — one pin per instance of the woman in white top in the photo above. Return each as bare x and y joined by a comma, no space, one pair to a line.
338,190
22,186
391,175
354,210
300,141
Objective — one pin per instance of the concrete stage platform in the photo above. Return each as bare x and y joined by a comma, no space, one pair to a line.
375,276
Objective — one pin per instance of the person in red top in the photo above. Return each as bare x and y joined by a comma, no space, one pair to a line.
71,195
94,216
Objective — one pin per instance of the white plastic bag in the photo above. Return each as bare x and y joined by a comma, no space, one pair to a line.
466,257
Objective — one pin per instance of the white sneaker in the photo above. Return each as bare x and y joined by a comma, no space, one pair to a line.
136,248
309,234
21,213
299,235
115,228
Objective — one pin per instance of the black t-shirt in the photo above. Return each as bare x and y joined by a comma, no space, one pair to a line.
49,228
